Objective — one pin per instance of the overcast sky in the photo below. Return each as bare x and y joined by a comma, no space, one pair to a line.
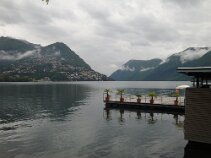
107,33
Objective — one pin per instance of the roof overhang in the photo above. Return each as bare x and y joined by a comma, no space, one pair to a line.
202,72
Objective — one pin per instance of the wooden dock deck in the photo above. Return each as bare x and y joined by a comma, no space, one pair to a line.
160,108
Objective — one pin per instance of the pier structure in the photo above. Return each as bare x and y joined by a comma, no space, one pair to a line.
145,107
160,104
197,124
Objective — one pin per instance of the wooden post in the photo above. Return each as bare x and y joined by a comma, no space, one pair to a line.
197,82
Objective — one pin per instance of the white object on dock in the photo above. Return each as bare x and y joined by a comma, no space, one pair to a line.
182,87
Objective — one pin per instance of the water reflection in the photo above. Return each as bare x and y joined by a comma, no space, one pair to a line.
78,129
21,102
138,114
149,116
151,119
121,119
108,116
178,122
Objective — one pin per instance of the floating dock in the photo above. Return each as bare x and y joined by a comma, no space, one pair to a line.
161,108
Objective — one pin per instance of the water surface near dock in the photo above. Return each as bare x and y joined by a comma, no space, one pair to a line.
67,119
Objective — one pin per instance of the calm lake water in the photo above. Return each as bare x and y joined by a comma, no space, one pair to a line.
67,119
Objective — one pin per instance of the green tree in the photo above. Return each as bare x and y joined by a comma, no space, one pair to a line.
107,91
152,95
138,97
121,92
176,94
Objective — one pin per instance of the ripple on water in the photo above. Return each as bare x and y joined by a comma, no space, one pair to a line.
67,120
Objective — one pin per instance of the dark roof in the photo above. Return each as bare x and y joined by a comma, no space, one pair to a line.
196,71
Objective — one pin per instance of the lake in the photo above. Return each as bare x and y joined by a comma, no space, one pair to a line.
67,119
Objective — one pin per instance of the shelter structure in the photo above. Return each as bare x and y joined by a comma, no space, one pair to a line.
197,125
201,75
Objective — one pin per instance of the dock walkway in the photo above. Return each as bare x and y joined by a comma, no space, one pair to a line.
145,106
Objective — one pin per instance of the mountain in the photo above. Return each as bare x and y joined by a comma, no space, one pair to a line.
166,70
135,69
24,61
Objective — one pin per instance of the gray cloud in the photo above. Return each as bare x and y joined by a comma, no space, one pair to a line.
9,13
17,55
185,3
108,33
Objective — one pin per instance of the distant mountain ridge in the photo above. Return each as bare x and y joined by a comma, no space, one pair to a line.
166,70
132,68
22,60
